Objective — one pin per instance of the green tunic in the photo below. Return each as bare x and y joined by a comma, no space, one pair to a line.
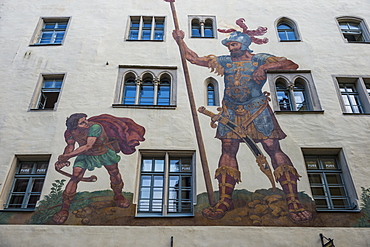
90,161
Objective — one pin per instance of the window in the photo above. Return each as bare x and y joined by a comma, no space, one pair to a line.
166,184
354,29
330,181
202,26
287,30
354,94
50,31
146,28
47,92
146,87
293,91
27,184
212,92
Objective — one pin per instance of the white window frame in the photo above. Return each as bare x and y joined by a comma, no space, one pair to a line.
140,72
292,24
166,155
154,20
360,84
7,190
290,76
350,191
38,94
35,41
362,25
202,19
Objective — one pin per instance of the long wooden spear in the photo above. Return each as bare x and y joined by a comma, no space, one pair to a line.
198,133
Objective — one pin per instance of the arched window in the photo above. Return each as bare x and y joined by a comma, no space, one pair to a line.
300,95
164,90
146,96
129,91
287,30
208,28
283,95
150,87
354,29
211,94
195,28
202,26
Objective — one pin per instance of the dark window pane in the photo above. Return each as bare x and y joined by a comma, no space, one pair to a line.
20,185
318,191
315,178
340,203
37,185
321,203
16,201
337,191
334,178
32,201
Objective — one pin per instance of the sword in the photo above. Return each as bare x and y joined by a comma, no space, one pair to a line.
260,158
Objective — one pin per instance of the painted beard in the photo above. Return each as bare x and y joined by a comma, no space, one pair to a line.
237,53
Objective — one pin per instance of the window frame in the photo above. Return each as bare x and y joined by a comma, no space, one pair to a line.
360,22
166,156
291,77
216,92
141,27
343,170
38,93
8,187
35,40
360,82
158,74
292,24
202,20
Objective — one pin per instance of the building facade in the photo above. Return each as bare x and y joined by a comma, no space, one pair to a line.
118,63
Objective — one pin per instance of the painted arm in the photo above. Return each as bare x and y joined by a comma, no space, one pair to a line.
190,55
70,152
280,64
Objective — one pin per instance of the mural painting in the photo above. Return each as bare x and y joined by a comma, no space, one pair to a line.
100,138
244,117
246,107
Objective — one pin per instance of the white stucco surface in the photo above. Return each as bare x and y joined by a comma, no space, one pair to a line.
15,236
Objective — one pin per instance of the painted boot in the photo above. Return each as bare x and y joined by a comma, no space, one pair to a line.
227,178
119,199
287,176
61,217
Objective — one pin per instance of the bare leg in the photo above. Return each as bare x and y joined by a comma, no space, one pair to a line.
117,186
68,194
227,175
287,176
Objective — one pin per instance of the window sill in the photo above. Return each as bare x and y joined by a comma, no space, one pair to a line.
42,109
167,107
48,44
143,40
297,40
358,42
338,210
355,114
203,37
300,112
154,215
18,210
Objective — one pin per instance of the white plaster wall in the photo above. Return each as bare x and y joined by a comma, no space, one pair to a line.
182,236
96,35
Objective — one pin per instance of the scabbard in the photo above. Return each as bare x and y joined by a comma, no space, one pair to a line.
260,158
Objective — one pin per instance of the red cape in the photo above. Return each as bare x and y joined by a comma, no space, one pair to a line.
128,133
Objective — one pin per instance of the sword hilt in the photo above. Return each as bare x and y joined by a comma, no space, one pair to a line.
214,117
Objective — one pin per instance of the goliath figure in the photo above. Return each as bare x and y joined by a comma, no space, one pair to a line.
245,104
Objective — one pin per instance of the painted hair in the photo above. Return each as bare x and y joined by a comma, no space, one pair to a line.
72,121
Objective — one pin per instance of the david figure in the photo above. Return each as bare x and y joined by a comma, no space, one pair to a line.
99,139
244,104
